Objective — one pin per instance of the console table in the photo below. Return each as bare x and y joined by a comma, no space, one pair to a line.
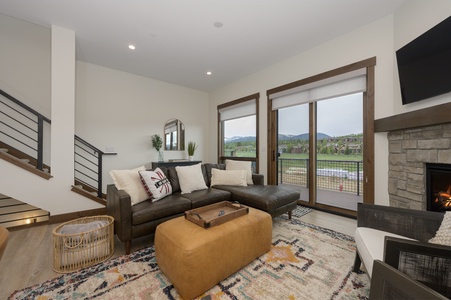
167,164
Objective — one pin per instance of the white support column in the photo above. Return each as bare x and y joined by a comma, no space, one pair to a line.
63,106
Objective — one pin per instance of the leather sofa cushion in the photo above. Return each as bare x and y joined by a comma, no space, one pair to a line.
173,179
148,211
208,196
264,197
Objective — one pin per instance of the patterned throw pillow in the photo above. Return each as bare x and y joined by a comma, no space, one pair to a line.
443,234
156,184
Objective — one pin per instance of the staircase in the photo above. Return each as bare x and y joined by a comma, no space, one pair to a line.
15,213
23,132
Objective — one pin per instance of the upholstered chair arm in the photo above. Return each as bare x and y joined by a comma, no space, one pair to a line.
390,284
425,262
415,224
119,207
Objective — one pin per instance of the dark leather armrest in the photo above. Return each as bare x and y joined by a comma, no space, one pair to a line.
258,179
415,224
118,206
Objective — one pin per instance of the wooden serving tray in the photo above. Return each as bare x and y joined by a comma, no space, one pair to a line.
215,214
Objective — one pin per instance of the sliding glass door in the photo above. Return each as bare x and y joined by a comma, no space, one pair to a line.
321,137
294,148
339,148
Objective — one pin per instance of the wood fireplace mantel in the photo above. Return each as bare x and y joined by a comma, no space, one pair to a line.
434,115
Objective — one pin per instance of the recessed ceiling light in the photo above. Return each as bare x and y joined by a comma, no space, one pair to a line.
131,47
208,73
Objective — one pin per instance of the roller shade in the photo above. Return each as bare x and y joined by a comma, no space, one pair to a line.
241,110
340,85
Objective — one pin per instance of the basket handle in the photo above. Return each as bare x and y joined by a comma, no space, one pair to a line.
75,246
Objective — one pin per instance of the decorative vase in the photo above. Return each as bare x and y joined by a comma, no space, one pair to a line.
191,158
160,155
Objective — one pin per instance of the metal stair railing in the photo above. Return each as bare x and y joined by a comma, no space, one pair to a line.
88,165
22,126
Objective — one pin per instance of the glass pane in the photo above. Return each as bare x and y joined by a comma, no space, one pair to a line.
339,151
293,147
240,137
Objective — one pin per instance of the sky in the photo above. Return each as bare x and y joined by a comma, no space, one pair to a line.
336,117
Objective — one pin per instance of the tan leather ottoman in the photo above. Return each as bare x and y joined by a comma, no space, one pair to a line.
195,259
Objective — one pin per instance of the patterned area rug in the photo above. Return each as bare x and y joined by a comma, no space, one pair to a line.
305,262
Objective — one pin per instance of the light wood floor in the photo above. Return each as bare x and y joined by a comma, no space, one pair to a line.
28,258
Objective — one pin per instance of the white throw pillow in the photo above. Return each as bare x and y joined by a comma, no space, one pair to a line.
443,234
130,182
228,177
241,165
191,178
156,184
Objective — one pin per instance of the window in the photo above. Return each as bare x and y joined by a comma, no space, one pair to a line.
321,163
238,130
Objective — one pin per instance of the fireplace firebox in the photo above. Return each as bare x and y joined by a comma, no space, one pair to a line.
438,187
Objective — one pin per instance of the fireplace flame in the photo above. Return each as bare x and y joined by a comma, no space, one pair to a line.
444,198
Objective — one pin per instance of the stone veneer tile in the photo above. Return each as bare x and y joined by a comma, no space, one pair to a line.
415,188
410,195
395,135
395,147
409,144
427,134
399,168
447,130
397,175
414,170
422,156
398,159
434,144
419,178
444,156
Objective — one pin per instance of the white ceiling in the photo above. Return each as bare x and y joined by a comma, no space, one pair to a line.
176,40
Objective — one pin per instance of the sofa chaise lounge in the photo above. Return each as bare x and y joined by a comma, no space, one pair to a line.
133,221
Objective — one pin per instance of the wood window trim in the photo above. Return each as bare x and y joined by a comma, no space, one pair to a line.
255,159
368,126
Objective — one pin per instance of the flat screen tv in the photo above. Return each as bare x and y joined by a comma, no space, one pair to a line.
424,64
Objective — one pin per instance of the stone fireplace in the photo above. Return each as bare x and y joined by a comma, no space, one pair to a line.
438,187
410,150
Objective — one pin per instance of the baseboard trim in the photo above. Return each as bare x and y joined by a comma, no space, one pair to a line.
75,215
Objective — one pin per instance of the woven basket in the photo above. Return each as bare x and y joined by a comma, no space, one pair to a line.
72,252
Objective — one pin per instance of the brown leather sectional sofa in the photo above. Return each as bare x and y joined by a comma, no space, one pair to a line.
143,218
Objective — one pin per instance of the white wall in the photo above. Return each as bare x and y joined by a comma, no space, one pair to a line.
376,39
122,110
25,62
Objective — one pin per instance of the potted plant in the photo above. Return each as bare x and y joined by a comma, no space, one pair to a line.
157,143
191,149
